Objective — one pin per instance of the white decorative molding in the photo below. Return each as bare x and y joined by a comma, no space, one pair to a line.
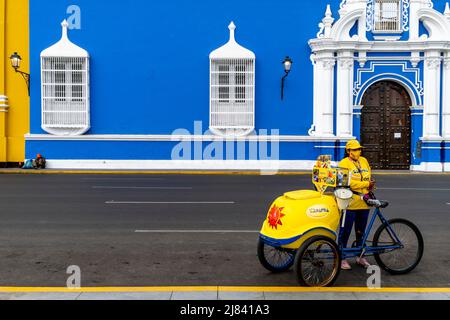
370,15
415,59
433,63
387,38
341,28
269,166
343,8
417,84
362,58
326,24
436,24
179,138
447,11
405,15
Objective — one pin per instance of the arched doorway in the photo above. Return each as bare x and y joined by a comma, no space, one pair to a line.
386,126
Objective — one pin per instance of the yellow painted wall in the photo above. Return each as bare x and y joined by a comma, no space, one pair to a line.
14,119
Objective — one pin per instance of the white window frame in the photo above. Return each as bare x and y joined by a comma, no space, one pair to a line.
232,89
65,88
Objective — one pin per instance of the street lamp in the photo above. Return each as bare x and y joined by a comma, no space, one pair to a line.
15,62
287,63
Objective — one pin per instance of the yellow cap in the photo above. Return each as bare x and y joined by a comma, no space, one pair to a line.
353,145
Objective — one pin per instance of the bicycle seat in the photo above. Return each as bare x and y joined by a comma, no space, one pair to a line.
378,203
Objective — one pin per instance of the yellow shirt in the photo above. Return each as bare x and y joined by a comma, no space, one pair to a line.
360,181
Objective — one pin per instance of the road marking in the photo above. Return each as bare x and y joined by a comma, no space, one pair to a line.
221,289
196,231
169,202
415,189
150,188
139,178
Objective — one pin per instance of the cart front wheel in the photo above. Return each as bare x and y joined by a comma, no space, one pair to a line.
402,260
275,259
318,262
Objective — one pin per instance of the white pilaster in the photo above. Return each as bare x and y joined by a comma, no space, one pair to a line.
324,95
316,95
432,79
345,97
446,97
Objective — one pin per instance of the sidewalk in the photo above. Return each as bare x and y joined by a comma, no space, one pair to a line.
193,172
224,293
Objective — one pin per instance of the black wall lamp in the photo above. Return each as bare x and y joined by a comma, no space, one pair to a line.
15,62
287,63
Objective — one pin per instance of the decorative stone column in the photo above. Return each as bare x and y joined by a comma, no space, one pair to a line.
324,95
446,98
328,101
432,93
316,81
345,94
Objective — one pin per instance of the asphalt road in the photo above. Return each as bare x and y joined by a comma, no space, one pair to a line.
49,222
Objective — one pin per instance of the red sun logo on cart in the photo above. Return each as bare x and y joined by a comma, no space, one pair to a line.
275,216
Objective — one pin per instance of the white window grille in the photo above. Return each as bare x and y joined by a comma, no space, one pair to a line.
65,88
232,89
387,15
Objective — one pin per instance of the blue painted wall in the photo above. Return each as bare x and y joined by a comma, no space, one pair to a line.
150,65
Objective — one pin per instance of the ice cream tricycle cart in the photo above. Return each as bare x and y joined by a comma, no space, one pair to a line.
301,231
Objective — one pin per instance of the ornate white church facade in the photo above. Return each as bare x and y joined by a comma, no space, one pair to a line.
389,55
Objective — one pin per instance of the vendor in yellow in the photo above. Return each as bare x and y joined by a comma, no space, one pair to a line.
358,212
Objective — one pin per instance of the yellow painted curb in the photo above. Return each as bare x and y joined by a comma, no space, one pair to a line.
220,289
336,290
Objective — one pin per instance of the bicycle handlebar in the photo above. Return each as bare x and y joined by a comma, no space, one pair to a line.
377,203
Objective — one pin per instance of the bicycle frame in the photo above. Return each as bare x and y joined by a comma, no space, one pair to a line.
371,250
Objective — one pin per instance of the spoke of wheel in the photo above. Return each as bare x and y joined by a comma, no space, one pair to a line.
401,259
277,257
316,274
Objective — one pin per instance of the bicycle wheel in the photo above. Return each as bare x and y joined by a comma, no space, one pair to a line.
275,259
318,262
402,260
